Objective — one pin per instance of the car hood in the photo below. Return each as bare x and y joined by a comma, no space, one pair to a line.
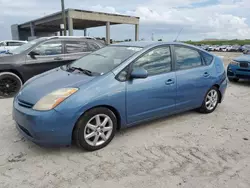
8,58
243,58
43,84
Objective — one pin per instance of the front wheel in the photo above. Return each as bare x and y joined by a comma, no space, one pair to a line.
211,101
95,129
10,84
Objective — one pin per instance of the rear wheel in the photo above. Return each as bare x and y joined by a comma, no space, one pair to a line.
211,101
233,79
95,129
10,84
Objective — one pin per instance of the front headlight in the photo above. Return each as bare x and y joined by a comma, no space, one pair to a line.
234,63
53,99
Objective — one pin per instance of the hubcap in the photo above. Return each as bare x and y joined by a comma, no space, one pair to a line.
211,99
98,130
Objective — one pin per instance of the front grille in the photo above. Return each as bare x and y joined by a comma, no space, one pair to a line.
24,130
24,104
244,70
244,64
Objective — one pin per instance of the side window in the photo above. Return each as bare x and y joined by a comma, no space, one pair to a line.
207,58
49,48
187,58
93,46
156,61
2,44
76,47
14,44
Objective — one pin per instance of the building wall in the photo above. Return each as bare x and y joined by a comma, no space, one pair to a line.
20,34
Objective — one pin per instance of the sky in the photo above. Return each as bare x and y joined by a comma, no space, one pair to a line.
162,19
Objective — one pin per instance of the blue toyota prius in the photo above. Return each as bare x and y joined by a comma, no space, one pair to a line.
117,86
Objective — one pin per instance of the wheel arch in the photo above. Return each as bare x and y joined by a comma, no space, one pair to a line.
218,87
13,72
111,108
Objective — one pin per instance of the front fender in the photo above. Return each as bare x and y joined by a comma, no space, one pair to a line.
104,92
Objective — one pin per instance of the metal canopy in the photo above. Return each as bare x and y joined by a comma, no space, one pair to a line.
81,20
76,20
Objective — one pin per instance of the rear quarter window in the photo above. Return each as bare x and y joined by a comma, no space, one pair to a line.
208,59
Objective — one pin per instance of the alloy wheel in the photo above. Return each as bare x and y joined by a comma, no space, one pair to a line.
8,86
98,130
211,99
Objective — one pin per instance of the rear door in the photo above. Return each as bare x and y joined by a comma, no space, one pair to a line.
194,78
49,55
75,50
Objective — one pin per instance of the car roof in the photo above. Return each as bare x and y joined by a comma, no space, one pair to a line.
13,41
147,44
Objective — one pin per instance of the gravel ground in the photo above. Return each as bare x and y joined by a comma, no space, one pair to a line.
185,150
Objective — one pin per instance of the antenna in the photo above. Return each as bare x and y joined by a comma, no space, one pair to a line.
178,35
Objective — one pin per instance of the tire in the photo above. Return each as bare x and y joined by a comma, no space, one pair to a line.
233,79
83,129
10,84
206,108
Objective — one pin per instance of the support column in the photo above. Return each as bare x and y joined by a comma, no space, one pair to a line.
70,26
108,33
85,32
136,32
61,33
32,29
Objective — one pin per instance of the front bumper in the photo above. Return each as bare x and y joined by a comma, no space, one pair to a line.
235,71
49,128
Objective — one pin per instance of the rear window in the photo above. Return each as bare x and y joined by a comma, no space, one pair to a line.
207,58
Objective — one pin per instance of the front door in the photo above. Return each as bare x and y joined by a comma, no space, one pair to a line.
155,95
49,55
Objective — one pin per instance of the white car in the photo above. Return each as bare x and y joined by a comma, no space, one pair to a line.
8,45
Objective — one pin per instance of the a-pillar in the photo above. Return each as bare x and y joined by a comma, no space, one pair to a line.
108,33
136,32
70,26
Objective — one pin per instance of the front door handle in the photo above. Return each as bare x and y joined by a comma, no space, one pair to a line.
206,74
169,82
58,58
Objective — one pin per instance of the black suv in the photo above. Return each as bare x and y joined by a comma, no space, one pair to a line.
38,56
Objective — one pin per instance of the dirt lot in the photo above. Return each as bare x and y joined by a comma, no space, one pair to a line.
186,150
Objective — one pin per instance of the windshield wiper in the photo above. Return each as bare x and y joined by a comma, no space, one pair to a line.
87,72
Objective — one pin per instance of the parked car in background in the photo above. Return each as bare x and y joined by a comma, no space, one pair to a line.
117,86
245,49
8,45
234,48
239,68
38,56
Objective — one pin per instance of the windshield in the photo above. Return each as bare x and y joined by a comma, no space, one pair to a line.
105,59
26,46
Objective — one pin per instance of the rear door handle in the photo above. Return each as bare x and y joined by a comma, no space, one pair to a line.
206,74
58,58
169,82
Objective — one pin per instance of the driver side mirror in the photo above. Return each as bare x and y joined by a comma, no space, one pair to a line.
33,54
139,72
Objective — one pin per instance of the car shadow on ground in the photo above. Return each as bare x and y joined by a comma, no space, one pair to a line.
242,83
